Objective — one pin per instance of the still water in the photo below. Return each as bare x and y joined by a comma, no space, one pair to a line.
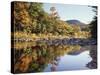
71,62
33,57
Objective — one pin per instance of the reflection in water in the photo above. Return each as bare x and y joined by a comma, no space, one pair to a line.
69,62
33,57
93,54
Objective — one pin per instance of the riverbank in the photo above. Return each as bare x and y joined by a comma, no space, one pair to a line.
29,37
65,41
72,41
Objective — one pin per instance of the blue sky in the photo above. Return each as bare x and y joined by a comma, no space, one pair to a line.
68,12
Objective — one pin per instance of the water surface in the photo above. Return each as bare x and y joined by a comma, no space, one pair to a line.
33,57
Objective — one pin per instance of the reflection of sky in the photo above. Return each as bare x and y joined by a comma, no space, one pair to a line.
71,62
67,12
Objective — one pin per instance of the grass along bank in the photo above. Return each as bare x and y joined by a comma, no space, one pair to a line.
22,36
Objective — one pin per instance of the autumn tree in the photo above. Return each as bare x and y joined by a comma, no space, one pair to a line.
21,16
31,18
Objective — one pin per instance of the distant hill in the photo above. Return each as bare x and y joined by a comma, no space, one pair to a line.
77,22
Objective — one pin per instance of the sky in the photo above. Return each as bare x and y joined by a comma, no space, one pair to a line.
82,13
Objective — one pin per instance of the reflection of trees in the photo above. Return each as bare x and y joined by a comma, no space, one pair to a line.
36,58
93,54
54,63
21,45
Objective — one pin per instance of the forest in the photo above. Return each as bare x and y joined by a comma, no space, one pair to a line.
31,23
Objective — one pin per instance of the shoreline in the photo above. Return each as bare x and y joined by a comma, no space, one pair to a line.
64,41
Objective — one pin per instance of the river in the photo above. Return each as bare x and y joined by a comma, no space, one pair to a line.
40,57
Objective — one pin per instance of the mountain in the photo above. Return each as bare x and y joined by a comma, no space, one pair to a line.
75,22
78,23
